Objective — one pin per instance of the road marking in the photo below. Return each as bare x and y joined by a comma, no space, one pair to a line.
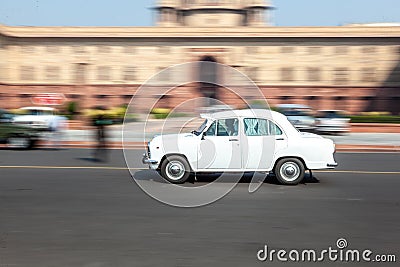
71,167
357,172
369,152
137,169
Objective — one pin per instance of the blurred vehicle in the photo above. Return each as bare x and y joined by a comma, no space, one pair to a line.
41,118
214,108
299,115
15,135
332,121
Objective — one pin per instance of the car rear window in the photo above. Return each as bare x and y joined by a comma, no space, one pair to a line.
260,127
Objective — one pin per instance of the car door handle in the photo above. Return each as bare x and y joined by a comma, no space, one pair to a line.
233,139
280,139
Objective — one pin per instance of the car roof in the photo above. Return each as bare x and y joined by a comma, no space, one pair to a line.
248,113
38,108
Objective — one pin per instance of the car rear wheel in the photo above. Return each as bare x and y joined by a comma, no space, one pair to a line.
289,171
175,169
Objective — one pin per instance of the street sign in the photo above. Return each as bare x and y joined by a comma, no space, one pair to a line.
48,99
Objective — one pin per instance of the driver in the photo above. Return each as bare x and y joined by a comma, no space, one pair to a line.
232,128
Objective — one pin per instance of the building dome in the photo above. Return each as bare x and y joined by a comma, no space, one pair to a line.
213,13
168,3
167,12
257,3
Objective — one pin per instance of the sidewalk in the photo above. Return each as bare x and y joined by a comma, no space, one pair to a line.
375,128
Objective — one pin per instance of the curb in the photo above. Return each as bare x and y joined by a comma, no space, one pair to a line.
367,148
374,128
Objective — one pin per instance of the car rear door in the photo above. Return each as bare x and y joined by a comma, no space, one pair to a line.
262,139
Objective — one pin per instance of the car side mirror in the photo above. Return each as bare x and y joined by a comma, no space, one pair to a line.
203,135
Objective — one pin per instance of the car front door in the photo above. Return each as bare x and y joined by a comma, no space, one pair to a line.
220,146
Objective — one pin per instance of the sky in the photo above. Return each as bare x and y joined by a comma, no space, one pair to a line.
139,13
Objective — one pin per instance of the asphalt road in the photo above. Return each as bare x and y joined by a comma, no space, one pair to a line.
59,208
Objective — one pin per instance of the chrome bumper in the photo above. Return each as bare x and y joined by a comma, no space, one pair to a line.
146,160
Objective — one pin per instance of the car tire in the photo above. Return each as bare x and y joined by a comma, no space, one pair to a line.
20,142
289,171
175,169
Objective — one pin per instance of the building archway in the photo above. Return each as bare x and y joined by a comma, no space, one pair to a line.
208,75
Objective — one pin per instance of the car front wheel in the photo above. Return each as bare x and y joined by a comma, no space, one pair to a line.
175,169
289,171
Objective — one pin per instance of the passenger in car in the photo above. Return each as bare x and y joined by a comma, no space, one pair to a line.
232,128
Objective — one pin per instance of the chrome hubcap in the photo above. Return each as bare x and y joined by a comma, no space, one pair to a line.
290,171
175,170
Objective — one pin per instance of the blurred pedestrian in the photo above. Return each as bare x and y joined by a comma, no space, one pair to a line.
101,122
58,125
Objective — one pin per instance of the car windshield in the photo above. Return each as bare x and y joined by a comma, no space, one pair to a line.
201,128
194,123
296,112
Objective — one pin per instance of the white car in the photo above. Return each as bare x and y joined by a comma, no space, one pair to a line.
299,115
41,118
332,121
241,141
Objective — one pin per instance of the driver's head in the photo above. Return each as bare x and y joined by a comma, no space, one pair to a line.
230,122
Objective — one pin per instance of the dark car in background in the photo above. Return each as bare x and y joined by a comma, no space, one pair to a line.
301,116
332,121
16,135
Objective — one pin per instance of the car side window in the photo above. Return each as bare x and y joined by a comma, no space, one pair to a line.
224,127
260,127
228,127
274,129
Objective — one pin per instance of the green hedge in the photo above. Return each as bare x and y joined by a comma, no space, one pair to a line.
160,113
375,119
116,114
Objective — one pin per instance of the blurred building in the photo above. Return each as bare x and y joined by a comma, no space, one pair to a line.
356,68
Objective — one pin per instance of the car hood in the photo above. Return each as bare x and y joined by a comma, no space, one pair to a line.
171,137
